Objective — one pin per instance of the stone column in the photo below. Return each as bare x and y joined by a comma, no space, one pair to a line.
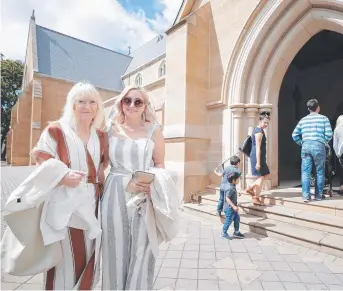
270,152
237,130
185,117
251,113
237,113
251,117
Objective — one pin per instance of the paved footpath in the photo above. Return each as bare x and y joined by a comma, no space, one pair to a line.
199,260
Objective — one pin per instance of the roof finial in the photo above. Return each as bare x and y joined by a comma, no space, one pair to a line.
129,50
33,15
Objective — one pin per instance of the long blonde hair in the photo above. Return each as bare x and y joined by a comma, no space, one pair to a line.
78,90
117,115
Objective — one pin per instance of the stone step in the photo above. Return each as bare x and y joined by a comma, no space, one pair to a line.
316,239
292,198
324,222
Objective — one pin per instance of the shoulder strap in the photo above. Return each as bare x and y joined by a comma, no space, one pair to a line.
150,134
151,130
58,135
103,139
100,134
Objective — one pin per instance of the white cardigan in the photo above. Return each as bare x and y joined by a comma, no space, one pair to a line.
160,210
37,214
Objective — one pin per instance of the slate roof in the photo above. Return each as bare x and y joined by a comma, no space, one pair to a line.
148,52
65,57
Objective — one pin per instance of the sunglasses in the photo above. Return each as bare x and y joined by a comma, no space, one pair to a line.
137,102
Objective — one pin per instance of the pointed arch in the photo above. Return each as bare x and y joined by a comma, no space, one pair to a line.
139,80
269,44
162,69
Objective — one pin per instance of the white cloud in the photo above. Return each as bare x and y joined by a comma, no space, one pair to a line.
166,18
102,22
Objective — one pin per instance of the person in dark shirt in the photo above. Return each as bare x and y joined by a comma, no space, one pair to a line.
231,208
234,163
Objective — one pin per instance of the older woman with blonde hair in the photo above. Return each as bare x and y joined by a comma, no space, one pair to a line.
136,143
76,141
338,147
57,205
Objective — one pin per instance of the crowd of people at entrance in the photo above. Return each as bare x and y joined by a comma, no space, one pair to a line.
65,216
313,133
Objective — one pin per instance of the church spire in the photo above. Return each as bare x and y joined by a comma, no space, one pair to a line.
33,15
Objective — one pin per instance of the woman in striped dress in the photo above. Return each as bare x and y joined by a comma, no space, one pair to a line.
75,141
135,143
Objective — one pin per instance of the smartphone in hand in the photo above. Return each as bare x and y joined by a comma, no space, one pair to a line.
139,177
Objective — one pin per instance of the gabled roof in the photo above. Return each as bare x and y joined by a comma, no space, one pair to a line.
65,57
185,9
148,52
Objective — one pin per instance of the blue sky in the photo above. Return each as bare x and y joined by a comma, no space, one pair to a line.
150,7
114,24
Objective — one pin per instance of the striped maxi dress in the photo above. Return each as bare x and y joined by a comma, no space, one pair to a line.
127,260
79,267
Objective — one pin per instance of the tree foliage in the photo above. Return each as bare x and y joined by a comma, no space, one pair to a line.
11,79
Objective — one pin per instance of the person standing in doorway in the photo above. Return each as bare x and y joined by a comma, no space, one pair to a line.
258,157
338,147
312,133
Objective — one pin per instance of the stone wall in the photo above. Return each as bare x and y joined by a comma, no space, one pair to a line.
41,103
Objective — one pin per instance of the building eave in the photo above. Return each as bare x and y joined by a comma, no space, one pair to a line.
37,74
144,66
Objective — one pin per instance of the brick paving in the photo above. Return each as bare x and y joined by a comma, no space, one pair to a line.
199,260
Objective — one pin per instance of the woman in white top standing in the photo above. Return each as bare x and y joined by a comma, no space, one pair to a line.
136,143
75,140
338,147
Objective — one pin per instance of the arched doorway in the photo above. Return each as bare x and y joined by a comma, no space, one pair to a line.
262,55
315,72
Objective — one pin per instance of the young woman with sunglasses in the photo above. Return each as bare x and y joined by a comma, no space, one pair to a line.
135,143
259,167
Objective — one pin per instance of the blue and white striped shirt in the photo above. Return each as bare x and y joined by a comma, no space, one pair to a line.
313,127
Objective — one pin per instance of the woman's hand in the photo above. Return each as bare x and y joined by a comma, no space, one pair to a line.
258,167
72,179
140,187
101,174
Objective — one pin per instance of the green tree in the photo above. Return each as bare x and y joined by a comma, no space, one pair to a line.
11,79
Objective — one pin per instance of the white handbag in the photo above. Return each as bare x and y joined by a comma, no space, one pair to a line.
23,252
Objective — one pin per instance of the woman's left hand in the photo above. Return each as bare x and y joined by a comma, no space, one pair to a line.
101,176
258,167
141,187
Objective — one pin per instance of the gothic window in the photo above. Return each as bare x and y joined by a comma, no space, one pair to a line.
162,69
139,80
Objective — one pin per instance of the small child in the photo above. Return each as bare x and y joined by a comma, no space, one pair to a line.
234,163
230,207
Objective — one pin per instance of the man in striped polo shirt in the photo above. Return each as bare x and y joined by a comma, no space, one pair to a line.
313,133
